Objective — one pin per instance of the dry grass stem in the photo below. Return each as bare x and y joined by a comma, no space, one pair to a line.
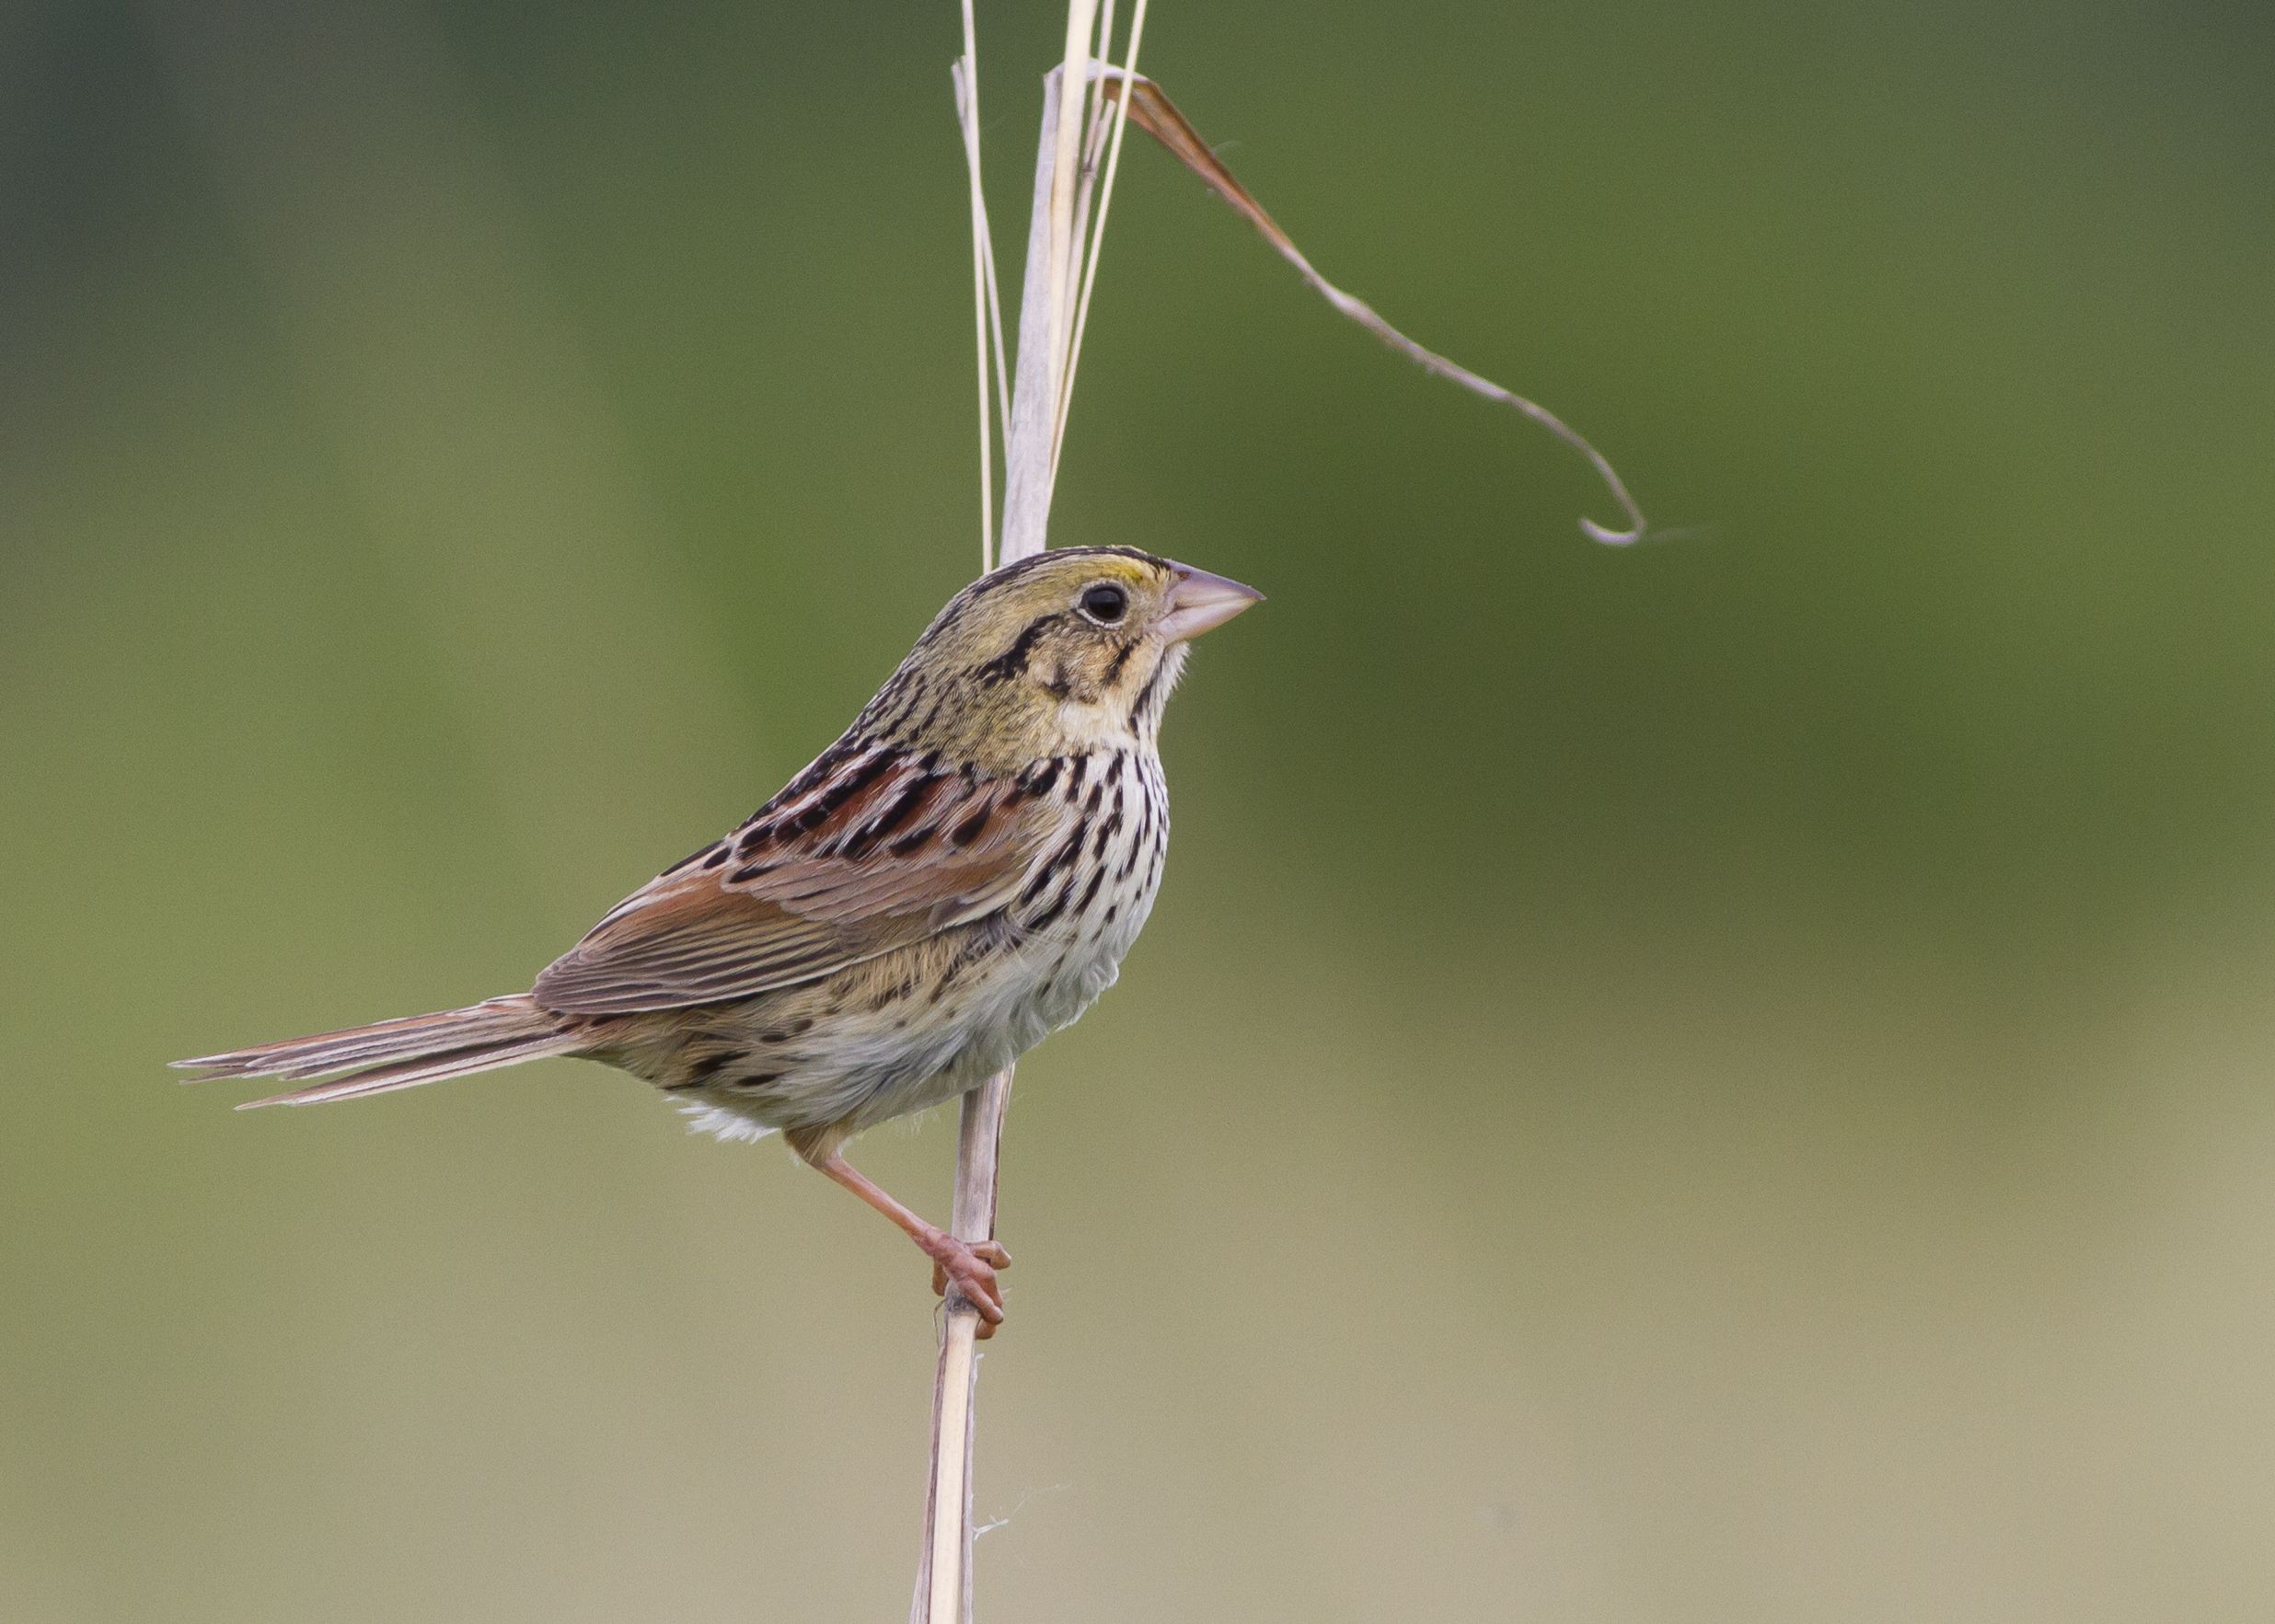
987,300
965,74
1066,170
943,1590
1106,198
1078,156
944,1569
1034,378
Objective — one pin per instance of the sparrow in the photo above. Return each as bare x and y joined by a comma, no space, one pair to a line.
954,879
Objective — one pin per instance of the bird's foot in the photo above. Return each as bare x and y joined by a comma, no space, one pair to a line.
970,1266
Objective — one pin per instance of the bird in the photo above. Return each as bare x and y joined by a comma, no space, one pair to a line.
959,875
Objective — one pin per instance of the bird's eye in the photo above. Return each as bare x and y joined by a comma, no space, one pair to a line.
1106,603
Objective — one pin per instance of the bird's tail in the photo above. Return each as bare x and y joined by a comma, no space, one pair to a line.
399,1054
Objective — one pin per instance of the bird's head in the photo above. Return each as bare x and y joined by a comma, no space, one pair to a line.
1065,650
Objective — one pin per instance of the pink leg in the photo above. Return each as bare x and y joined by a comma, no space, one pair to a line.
969,1266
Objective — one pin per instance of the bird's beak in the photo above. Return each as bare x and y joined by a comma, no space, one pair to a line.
1200,600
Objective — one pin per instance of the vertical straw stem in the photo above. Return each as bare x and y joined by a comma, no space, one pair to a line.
1065,167
943,1590
1035,383
1129,75
944,1571
967,77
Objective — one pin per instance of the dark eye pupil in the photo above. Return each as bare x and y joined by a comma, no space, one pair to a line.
1105,603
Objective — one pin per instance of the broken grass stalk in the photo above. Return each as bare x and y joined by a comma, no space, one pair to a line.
1155,114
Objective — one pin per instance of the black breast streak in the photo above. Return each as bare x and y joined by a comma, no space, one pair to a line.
1145,695
1051,910
1152,835
1060,859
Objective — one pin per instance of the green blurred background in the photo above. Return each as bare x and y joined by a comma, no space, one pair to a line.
1726,1080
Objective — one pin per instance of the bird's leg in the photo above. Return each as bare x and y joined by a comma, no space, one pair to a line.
970,1265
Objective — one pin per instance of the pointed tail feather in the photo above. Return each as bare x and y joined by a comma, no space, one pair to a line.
410,1073
399,1054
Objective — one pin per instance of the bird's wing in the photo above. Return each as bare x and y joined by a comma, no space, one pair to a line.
871,848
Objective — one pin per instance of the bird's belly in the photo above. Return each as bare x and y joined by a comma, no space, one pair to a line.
898,1034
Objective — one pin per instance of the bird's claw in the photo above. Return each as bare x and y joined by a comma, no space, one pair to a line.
970,1267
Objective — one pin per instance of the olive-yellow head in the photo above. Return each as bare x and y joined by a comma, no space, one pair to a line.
1067,648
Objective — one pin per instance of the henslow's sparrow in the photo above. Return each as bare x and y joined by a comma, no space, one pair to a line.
956,877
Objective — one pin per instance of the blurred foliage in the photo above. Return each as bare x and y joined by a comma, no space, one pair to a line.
1719,1081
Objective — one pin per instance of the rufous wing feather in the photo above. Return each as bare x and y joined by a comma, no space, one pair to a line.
870,849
